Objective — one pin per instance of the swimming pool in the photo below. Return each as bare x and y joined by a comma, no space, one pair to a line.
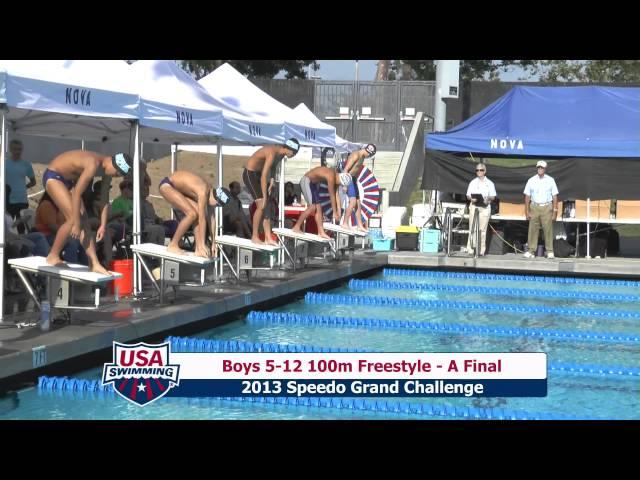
590,330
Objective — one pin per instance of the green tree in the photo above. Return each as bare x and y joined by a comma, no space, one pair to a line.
589,71
469,69
253,68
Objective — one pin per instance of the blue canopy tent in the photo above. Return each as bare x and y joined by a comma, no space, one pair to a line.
593,132
552,122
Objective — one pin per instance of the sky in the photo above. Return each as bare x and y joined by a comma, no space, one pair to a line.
346,70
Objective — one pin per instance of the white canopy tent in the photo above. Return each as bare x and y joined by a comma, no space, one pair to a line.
341,145
92,100
88,99
246,121
174,109
242,96
238,94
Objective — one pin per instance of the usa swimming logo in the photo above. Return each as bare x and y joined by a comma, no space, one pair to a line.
141,373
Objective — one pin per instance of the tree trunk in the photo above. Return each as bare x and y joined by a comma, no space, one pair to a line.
382,73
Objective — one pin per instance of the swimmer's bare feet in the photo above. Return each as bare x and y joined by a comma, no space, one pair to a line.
175,249
97,268
270,241
56,261
202,252
257,241
324,235
296,229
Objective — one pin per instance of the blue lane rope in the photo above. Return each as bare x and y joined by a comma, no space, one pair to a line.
255,317
325,298
199,345
498,276
355,284
455,328
76,388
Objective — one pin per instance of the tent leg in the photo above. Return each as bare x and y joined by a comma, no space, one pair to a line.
3,147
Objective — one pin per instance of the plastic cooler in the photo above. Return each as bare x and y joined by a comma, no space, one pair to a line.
407,237
429,240
383,244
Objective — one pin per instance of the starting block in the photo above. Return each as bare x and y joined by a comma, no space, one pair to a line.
244,253
344,235
62,282
170,265
298,249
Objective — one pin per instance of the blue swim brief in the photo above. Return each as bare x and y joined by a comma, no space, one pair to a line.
167,181
50,174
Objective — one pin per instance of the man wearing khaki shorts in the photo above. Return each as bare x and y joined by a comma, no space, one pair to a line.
540,207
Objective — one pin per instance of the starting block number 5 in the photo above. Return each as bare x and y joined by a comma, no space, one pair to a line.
171,274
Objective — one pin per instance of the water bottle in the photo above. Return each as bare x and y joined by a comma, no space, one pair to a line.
45,315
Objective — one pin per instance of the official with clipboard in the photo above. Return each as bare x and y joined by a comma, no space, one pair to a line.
480,193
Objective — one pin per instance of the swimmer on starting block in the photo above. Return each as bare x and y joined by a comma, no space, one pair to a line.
196,199
65,180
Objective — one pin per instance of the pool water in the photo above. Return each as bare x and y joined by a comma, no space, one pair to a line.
582,395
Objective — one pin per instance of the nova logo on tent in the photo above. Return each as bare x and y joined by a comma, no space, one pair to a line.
78,96
184,118
255,130
141,373
309,134
508,143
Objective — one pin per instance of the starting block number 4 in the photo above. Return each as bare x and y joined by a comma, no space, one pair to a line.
171,273
60,292
246,259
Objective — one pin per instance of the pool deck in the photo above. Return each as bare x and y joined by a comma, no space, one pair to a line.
614,267
28,350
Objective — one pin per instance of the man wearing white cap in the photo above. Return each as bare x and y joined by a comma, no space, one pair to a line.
540,207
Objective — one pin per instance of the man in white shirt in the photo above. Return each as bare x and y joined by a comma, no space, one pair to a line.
540,207
485,187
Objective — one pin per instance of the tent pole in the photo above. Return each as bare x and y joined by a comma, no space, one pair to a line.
137,287
3,145
219,213
588,255
440,108
174,163
281,207
220,173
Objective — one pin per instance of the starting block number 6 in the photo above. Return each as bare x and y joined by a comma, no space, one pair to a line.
246,259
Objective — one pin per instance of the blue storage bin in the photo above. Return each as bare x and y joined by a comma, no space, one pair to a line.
429,240
383,244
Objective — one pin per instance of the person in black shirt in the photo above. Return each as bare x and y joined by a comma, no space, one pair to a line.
234,220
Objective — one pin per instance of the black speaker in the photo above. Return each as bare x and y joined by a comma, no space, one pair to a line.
598,247
495,245
613,243
562,248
